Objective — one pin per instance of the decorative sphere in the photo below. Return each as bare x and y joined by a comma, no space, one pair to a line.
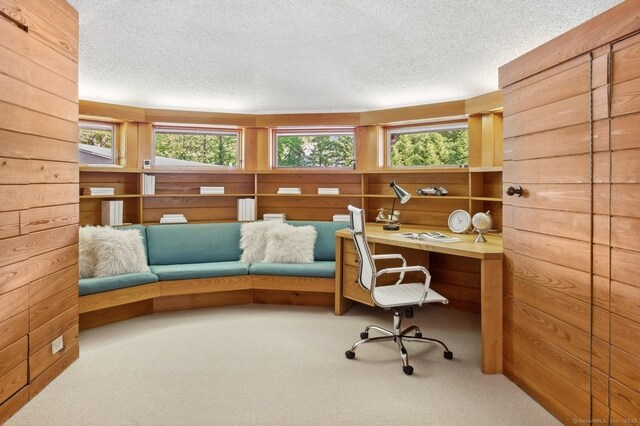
482,221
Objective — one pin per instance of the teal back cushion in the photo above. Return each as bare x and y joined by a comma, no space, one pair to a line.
325,248
140,229
211,242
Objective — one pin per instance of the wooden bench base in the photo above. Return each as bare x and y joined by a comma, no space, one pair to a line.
117,305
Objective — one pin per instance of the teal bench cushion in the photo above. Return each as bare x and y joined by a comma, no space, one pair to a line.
319,269
102,284
199,243
325,248
200,270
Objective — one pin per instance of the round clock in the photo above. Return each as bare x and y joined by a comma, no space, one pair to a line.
482,222
459,221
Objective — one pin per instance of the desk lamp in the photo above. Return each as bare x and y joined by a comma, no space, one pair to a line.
401,195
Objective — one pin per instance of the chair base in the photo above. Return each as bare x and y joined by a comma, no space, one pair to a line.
397,335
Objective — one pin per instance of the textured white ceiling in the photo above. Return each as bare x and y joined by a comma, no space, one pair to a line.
267,56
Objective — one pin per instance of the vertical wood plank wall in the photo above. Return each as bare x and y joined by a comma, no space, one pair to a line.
572,253
39,197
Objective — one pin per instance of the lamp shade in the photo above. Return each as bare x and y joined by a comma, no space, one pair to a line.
402,195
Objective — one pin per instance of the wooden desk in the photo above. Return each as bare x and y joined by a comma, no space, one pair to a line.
489,255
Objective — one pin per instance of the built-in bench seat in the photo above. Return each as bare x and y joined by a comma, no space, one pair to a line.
198,265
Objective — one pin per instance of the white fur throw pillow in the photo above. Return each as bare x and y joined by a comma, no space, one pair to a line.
291,244
253,239
87,259
118,252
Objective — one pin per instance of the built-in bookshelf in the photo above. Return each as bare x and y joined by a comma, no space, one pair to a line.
178,192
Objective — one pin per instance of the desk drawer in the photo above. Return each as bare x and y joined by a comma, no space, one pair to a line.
350,255
350,287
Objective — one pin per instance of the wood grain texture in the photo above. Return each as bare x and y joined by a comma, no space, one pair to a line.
12,355
40,382
14,328
45,334
13,380
9,224
484,103
560,86
42,312
114,314
202,300
625,132
14,403
420,112
615,23
43,359
53,284
14,302
39,219
567,112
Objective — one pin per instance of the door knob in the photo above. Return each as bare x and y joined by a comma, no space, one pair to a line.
514,190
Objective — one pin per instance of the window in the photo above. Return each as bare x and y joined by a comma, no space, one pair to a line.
443,145
195,147
319,148
97,143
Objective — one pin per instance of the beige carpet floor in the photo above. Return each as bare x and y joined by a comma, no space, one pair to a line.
278,365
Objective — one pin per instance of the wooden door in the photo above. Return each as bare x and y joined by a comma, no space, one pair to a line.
547,237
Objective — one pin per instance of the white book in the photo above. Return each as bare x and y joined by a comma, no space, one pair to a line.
163,220
119,208
239,209
107,213
173,216
152,189
253,209
212,190
332,191
289,191
274,216
341,218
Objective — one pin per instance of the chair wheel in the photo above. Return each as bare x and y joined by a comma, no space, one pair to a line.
364,335
418,335
350,354
408,370
448,354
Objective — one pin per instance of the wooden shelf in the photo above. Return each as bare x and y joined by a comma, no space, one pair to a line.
109,169
423,170
197,170
194,195
475,189
493,199
312,195
84,197
485,169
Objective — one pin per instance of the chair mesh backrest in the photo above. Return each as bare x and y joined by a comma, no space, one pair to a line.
367,267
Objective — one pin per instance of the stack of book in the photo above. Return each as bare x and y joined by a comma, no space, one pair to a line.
112,212
274,216
329,191
246,209
148,184
212,190
173,218
289,191
98,191
341,218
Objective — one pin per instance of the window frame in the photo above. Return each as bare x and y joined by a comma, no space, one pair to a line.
114,140
310,131
198,129
424,128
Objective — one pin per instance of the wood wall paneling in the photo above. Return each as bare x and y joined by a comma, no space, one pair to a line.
38,187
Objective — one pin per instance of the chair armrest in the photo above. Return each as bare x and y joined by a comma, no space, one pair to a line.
392,256
387,256
398,270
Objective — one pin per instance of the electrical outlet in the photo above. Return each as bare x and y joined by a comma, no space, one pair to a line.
57,345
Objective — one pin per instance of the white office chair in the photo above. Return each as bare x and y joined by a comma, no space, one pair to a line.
400,297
